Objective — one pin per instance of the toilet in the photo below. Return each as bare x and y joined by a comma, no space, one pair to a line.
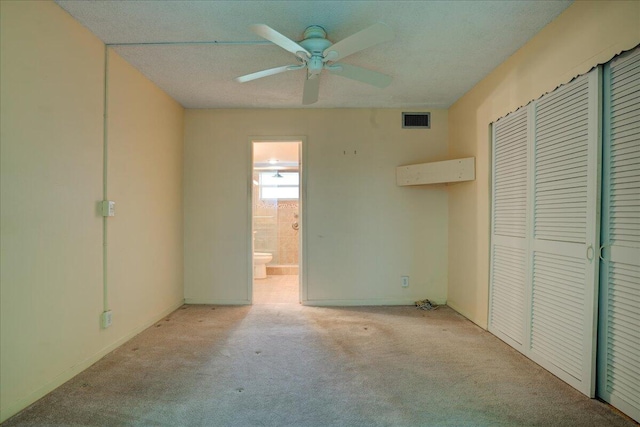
260,260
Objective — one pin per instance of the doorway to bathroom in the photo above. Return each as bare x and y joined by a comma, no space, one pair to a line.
276,221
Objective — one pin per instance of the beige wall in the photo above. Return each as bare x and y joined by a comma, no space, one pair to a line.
362,231
586,34
145,179
52,78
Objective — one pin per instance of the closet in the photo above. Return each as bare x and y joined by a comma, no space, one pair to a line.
555,261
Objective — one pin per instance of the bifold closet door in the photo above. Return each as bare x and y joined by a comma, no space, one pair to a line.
545,230
508,300
619,333
564,249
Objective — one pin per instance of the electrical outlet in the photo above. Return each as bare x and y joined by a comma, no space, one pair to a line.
106,319
405,281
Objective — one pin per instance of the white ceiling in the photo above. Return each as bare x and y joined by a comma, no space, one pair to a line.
440,51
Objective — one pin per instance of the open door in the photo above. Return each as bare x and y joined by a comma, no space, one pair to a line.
276,220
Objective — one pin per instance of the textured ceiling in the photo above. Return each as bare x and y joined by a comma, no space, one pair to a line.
440,51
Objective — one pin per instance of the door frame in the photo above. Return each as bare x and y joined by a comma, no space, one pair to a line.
302,211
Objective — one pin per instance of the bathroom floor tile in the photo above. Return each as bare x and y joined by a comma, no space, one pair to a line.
279,289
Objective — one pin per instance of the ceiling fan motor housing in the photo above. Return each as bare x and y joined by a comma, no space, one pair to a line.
315,32
315,42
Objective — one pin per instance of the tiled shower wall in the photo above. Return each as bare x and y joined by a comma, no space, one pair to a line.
273,226
288,236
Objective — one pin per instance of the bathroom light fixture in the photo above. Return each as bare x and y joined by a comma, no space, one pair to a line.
273,161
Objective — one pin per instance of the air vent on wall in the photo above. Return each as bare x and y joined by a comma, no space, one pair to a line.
416,120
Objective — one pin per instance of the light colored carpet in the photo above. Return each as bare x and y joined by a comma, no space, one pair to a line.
291,365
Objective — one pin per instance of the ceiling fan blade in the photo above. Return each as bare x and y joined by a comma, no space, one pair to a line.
311,89
375,34
284,42
361,74
263,73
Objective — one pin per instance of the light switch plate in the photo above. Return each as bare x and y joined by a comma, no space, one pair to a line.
108,208
106,318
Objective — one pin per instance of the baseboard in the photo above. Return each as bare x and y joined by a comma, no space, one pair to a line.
206,301
363,302
457,310
316,303
15,407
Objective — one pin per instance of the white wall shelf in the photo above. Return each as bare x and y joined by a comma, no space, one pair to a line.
457,170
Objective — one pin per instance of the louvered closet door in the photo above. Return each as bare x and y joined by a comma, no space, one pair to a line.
564,261
508,300
619,340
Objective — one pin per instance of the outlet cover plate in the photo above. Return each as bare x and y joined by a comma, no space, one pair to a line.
106,318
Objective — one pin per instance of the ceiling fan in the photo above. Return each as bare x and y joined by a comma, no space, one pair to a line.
316,53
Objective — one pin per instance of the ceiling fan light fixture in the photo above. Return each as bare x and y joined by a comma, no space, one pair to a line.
315,65
331,55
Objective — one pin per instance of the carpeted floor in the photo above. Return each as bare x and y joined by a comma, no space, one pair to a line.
290,365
